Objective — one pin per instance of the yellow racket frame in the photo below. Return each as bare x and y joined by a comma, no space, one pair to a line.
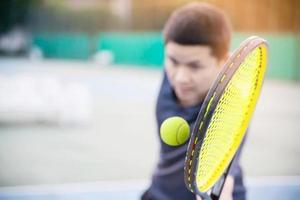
225,115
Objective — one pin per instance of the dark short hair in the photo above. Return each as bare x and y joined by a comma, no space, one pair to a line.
199,24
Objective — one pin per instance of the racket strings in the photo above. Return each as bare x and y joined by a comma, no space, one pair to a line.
228,123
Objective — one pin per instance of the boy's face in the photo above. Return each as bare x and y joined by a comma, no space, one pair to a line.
191,70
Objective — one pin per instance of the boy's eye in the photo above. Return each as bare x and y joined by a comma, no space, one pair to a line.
173,61
195,65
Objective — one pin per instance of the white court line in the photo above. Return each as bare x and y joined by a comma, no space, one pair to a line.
65,188
107,186
273,181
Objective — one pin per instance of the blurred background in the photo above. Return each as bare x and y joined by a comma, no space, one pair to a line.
78,85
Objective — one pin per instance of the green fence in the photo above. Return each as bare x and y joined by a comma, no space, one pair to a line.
134,48
63,45
145,49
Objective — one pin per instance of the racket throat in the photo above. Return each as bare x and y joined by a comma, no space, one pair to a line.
218,187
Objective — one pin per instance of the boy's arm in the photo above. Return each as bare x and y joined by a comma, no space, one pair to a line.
227,190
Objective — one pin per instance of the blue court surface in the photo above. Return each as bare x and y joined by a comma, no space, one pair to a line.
275,188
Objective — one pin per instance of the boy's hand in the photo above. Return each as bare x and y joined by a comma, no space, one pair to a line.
227,190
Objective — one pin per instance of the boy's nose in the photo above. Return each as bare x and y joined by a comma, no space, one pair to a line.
183,75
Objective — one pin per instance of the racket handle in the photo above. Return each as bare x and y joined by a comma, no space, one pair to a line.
214,197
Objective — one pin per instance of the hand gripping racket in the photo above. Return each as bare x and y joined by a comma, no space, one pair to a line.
223,119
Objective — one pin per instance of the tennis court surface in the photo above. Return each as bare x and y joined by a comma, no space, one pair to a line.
58,161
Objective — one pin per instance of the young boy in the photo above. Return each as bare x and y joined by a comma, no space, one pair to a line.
197,38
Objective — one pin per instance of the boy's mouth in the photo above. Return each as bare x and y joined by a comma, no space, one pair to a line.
184,90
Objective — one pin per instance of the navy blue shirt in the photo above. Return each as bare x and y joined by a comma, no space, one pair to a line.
168,178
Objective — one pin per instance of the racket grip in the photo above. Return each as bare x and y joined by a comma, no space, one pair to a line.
214,197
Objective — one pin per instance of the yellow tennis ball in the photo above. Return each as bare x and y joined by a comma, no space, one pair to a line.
174,131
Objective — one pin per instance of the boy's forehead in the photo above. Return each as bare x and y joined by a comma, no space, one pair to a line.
184,52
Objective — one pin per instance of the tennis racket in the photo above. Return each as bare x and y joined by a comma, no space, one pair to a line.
223,119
